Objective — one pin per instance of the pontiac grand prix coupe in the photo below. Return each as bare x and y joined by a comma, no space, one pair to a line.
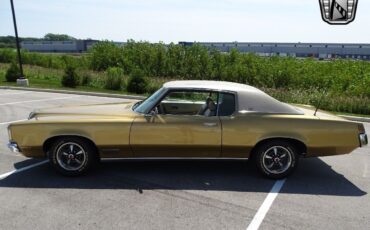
187,119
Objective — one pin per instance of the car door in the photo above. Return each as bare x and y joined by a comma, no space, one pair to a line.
182,134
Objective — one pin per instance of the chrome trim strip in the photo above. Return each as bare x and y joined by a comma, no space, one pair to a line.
173,158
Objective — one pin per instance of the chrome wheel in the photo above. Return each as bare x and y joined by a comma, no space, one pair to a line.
71,156
277,159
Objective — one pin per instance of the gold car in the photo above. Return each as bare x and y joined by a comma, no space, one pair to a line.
187,119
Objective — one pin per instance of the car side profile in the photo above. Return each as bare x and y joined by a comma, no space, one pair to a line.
187,119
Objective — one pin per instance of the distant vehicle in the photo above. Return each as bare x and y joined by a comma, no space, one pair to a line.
187,119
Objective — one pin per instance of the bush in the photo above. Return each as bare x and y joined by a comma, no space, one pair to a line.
7,55
151,88
104,55
70,77
113,80
137,82
12,73
85,79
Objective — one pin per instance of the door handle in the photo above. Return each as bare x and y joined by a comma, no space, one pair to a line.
210,124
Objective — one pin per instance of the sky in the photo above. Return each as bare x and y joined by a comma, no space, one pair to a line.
183,20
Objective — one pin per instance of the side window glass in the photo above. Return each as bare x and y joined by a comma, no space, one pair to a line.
226,104
189,103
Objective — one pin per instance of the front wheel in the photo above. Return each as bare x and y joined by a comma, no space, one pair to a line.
72,156
276,159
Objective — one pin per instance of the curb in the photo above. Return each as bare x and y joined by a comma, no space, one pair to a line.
353,118
75,92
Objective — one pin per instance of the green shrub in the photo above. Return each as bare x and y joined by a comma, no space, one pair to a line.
12,73
137,82
104,55
7,55
153,86
70,77
113,79
85,79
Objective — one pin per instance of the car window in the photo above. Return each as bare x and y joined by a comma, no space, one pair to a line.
189,103
226,103
148,103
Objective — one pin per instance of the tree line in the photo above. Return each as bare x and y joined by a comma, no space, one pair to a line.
173,61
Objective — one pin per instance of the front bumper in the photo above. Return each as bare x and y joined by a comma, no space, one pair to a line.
363,139
13,147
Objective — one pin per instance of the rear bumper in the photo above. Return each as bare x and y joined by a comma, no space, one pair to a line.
363,139
13,147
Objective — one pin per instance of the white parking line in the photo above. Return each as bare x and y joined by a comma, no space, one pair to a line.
9,122
5,175
21,102
365,170
7,94
262,211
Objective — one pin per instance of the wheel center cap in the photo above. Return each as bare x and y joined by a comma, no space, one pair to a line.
276,160
70,156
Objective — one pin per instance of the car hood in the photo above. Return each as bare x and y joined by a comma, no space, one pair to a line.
111,109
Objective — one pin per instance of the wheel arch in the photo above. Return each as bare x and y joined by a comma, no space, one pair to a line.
300,145
48,142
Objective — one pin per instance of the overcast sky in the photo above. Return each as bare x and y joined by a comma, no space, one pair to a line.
183,20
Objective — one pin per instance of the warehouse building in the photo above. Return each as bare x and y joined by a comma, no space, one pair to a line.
73,46
316,50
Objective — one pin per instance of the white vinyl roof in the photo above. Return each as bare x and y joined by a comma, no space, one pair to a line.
214,85
250,99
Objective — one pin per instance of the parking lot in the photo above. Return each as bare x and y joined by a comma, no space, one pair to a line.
323,193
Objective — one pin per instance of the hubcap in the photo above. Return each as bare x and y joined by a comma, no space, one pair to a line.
277,159
71,156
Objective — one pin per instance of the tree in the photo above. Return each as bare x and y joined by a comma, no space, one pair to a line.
105,54
58,37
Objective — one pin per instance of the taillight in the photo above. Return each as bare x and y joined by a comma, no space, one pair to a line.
361,128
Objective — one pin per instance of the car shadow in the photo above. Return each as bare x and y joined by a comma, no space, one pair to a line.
313,176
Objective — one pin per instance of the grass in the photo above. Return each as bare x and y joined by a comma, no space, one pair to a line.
352,114
47,78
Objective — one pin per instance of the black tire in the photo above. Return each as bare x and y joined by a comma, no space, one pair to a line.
276,159
75,160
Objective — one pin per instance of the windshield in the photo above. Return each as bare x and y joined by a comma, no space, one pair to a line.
148,103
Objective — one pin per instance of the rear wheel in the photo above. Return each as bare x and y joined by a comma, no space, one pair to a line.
276,159
72,156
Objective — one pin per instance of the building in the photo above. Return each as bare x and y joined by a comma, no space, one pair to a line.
316,50
72,46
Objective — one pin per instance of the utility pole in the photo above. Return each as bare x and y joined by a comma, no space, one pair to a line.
21,80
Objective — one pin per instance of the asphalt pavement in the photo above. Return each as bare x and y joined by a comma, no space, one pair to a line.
323,193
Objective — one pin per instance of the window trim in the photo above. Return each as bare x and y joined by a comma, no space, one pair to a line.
196,90
235,103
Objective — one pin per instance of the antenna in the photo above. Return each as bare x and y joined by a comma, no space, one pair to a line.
318,104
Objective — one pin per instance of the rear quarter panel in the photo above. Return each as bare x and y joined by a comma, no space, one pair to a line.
321,136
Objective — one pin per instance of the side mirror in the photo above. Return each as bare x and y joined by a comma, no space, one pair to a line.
150,114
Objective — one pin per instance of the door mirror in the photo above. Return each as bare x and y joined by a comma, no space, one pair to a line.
152,113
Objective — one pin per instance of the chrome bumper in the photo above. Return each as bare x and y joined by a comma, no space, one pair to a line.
13,147
363,139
